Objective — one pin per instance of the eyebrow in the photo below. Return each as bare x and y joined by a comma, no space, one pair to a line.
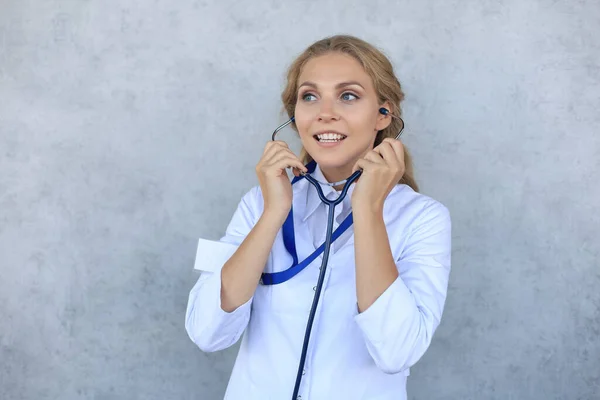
338,86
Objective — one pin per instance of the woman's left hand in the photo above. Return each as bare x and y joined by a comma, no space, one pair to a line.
382,169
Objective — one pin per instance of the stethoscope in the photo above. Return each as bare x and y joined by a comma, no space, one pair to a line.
289,242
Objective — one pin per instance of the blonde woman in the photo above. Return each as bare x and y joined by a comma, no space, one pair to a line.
385,285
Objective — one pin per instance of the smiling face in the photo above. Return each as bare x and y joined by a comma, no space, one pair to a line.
337,113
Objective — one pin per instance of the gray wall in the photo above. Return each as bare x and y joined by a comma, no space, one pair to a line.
129,130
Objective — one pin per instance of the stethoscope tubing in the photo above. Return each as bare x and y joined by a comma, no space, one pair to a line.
311,315
328,238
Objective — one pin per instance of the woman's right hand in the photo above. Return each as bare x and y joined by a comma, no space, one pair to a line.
274,183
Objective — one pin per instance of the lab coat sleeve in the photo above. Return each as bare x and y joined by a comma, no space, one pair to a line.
399,325
207,324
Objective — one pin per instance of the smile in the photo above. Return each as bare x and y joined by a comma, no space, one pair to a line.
329,137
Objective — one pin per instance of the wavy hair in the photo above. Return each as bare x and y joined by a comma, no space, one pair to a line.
377,66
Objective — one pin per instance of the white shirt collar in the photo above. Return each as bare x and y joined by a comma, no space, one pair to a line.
312,197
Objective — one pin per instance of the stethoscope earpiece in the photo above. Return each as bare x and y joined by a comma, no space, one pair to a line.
386,112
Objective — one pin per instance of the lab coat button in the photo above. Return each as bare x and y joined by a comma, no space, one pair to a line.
303,372
314,288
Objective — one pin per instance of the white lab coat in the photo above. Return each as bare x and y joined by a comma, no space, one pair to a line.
351,355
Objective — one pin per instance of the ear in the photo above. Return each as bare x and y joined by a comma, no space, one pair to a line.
383,121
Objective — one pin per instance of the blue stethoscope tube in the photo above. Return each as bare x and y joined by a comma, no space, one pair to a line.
328,239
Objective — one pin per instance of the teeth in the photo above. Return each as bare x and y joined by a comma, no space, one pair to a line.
330,137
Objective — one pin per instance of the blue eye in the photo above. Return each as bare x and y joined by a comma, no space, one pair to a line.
305,96
346,94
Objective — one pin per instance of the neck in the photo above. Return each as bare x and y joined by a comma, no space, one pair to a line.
336,174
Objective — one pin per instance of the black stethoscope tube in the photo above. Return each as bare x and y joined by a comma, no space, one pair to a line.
311,316
331,208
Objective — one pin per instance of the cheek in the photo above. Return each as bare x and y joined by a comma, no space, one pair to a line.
362,123
301,126
302,121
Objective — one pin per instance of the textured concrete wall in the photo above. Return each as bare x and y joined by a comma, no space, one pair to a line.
129,129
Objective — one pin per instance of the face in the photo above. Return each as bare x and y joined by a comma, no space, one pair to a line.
337,113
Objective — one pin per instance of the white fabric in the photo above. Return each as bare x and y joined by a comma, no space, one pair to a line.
212,254
351,355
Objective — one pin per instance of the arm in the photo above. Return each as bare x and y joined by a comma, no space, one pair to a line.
375,266
398,316
218,308
241,273
219,304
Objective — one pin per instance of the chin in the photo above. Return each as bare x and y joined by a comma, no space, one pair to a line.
330,161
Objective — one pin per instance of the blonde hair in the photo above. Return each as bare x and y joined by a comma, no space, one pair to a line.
376,65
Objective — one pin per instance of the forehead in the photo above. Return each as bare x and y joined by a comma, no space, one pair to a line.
332,68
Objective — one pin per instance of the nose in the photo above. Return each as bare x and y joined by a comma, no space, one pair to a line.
327,111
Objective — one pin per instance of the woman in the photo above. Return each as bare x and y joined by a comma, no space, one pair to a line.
387,276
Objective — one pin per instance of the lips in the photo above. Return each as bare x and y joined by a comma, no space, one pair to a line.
329,137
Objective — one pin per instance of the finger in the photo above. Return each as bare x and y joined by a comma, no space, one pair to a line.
297,171
270,150
397,146
280,155
395,163
362,164
389,155
272,147
375,157
276,153
281,143
269,145
286,155
288,162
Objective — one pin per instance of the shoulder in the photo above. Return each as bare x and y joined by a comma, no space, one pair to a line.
253,195
247,214
417,224
413,208
252,201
